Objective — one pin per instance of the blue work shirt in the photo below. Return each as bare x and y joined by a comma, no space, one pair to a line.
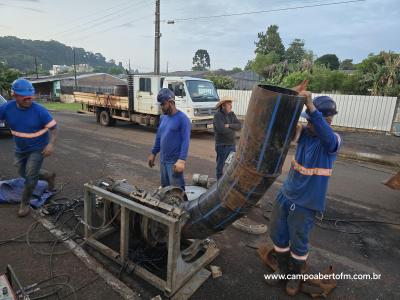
173,136
29,126
307,182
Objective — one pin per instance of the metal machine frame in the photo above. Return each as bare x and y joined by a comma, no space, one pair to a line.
15,285
183,278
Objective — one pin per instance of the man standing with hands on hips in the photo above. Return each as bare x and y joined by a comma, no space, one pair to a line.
30,124
172,141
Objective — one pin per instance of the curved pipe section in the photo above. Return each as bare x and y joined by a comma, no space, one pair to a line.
269,126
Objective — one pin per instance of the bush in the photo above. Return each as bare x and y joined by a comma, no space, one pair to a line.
221,82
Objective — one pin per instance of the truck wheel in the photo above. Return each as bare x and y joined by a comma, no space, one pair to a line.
105,118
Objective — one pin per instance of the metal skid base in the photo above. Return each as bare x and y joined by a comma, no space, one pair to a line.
182,278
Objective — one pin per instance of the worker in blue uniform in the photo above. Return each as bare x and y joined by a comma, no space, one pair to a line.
302,196
31,125
172,141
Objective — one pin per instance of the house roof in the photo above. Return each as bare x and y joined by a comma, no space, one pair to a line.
67,77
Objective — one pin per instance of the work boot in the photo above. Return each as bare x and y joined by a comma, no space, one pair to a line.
24,207
282,259
50,177
295,267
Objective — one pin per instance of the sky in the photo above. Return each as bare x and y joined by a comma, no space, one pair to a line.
123,30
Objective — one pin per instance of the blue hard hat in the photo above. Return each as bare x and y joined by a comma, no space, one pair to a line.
22,87
325,105
164,95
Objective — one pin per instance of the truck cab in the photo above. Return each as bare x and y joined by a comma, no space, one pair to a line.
195,97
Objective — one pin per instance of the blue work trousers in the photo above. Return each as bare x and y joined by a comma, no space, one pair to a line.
222,154
169,177
290,225
29,164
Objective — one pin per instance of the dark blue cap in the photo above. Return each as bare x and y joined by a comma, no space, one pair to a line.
164,95
325,105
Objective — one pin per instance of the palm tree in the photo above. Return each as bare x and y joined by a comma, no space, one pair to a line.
387,76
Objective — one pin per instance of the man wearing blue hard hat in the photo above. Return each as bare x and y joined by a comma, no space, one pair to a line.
302,196
30,124
172,141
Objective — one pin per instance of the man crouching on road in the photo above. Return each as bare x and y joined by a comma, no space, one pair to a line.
30,124
303,193
172,141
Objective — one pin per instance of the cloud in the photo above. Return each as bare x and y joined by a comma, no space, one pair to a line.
24,7
349,30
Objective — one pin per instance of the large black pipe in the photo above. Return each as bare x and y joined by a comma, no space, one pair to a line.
270,123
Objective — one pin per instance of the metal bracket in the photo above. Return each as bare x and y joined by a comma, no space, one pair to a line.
182,278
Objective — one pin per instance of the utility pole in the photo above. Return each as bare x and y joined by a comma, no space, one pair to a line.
37,73
157,37
76,85
167,66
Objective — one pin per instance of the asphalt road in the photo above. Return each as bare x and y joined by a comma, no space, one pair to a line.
86,152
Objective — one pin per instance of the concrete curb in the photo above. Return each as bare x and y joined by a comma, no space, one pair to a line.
369,157
114,283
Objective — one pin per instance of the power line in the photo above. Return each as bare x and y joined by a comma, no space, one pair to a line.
92,13
99,14
99,20
113,27
263,11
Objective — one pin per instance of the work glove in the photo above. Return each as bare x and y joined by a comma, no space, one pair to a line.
179,166
301,87
151,160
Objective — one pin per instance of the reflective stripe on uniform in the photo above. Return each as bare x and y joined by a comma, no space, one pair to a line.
299,257
310,171
279,249
36,134
51,124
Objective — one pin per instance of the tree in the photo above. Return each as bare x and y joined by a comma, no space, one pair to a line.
294,79
309,55
249,65
7,76
221,82
330,61
237,70
380,74
116,70
263,62
387,77
270,42
201,60
352,85
323,79
20,54
295,53
346,64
